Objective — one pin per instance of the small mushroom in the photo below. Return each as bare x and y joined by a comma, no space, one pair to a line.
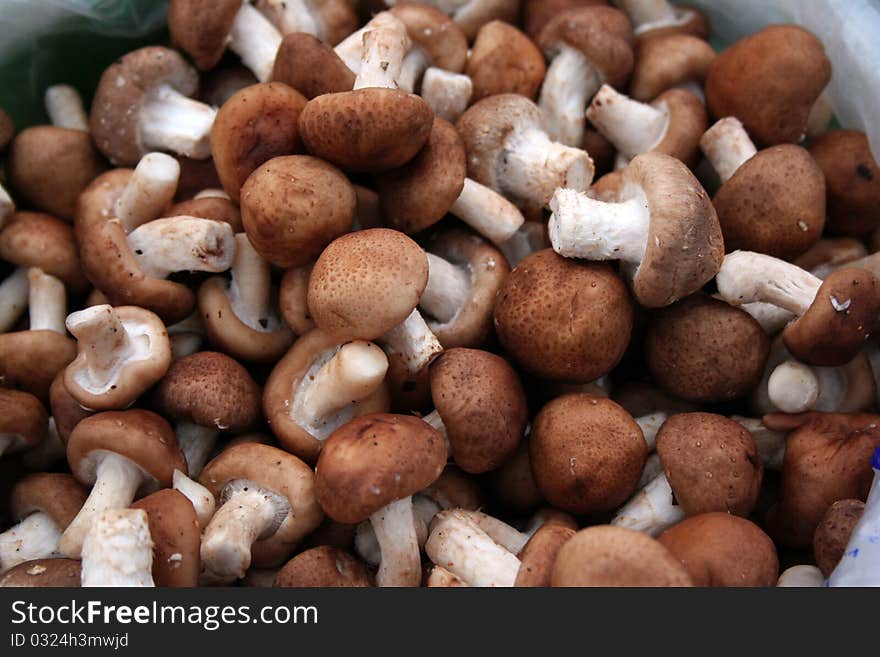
174,528
323,567
539,555
148,192
43,573
118,550
833,533
670,60
311,67
34,239
329,20
503,60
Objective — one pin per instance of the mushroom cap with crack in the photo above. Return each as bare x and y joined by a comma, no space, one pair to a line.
200,28
324,567
665,61
34,239
30,360
436,34
43,573
310,66
58,495
539,555
503,60
174,528
23,417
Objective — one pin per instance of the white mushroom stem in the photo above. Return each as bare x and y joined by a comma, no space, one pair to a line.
351,47
510,538
653,467
394,526
746,276
447,94
582,227
487,212
202,500
170,121
647,11
118,550
367,545
459,545
103,338
436,422
250,292
47,301
117,480
182,243
771,318
650,424
255,40
632,127
447,291
414,342
651,510
14,292
727,147
793,387
65,108
530,237
7,207
802,576
35,537
770,444
384,48
413,67
291,16
196,442
570,83
149,190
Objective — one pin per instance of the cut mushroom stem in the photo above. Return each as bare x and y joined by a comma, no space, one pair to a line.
107,342
149,190
47,302
746,276
65,108
727,147
413,67
414,342
394,526
793,387
447,291
650,424
255,40
183,243
14,293
487,212
201,498
651,510
118,550
447,94
384,47
35,537
250,292
117,480
632,127
170,121
197,443
570,83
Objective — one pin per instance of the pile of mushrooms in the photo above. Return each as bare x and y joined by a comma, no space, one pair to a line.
474,293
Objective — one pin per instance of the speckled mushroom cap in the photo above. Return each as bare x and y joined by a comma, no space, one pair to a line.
665,61
539,555
435,33
209,207
837,324
34,239
311,66
769,81
277,471
58,495
374,460
22,416
324,567
483,406
7,130
503,60
834,531
43,573
65,410
774,203
852,181
613,556
367,282
372,129
141,436
256,124
29,360
209,389
174,528
294,206
546,293
49,166
711,462
200,27
602,34
705,350
108,261
720,549
115,117
587,453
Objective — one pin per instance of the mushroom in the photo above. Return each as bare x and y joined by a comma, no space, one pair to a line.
323,567
118,453
834,317
830,253
667,61
509,151
118,550
588,47
612,556
293,299
329,20
369,468
833,533
164,246
216,208
311,67
536,13
267,503
174,528
803,576
663,229
207,392
539,555
472,15
122,352
545,292
34,239
503,60
436,40
769,81
199,496
43,573
143,103
23,421
149,190
447,94
653,18
203,29
43,504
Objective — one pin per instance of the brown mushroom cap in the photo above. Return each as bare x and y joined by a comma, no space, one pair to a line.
769,81
280,472
49,166
587,453
258,123
703,349
366,283
711,462
837,324
209,207
435,33
774,203
209,389
311,66
200,28
43,573
546,292
504,61
665,61
539,555
371,129
687,123
56,494
65,410
141,436
719,549
852,181
834,531
324,567
33,239
613,556
174,528
294,206
7,130
22,415
454,489
29,360
482,404
513,484
373,461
